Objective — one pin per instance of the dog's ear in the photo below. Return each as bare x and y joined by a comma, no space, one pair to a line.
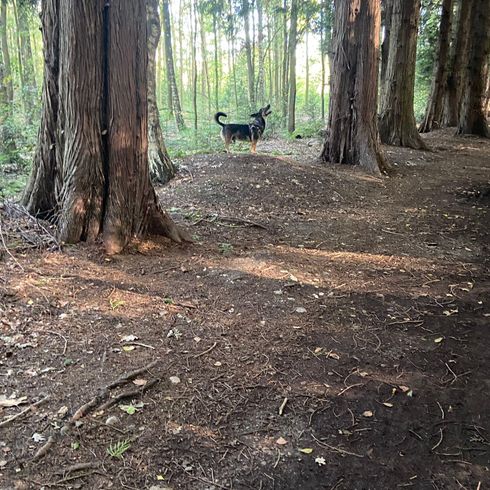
257,114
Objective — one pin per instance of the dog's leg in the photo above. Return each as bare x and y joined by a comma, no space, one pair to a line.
253,147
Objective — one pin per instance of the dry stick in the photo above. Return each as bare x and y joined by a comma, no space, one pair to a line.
348,388
128,394
336,449
206,351
28,409
44,449
7,249
78,467
440,440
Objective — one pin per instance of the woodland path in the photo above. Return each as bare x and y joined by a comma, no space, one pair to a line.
318,309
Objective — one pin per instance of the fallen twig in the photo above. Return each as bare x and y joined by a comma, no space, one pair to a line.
18,415
336,449
206,351
127,394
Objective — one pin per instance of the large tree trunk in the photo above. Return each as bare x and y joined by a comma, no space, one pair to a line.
161,167
293,38
167,30
260,47
307,71
93,141
352,136
249,53
216,61
285,58
204,44
458,59
397,121
435,104
387,12
7,66
39,196
472,118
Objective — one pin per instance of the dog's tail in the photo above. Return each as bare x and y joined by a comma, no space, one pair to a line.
217,116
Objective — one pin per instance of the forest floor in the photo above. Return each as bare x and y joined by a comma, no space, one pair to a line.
326,330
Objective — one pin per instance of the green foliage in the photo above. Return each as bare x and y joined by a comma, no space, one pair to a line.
118,449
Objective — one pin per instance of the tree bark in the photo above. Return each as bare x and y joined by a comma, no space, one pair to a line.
435,104
248,50
193,20
93,142
260,48
307,71
397,121
293,39
285,59
216,61
7,66
161,167
472,118
459,53
29,88
352,136
177,109
387,12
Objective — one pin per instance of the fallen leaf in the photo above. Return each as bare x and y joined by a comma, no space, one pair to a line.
140,382
389,405
438,340
403,388
300,309
318,350
333,355
281,441
128,348
367,413
174,380
306,450
38,437
129,338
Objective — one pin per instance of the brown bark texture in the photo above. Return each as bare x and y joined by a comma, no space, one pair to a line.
172,81
93,142
456,70
435,104
293,39
7,70
472,118
161,167
397,120
352,133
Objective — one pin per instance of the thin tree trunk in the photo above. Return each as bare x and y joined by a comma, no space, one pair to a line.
181,47
397,121
193,19
177,110
7,66
472,118
260,46
435,104
352,136
248,50
205,78
456,72
285,58
161,167
293,34
387,10
216,62
322,57
307,71
232,35
29,79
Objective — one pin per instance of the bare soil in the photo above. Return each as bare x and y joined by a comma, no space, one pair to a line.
329,330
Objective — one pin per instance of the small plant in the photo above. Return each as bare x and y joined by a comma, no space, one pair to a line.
115,303
225,248
168,301
117,450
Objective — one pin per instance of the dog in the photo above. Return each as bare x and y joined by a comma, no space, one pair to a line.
244,132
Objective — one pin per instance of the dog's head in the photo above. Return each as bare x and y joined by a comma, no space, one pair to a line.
263,112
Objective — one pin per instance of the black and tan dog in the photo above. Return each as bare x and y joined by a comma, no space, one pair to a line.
244,132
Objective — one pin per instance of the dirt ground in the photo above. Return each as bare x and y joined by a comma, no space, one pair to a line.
326,330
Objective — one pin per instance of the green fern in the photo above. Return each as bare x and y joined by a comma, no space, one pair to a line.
117,450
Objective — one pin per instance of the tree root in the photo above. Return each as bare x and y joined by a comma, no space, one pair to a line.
97,401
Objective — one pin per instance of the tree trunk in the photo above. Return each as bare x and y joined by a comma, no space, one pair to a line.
29,87
472,118
248,50
93,139
307,70
260,46
285,58
293,38
435,104
205,78
322,58
161,167
397,121
7,66
387,12
352,136
177,109
232,35
454,91
194,9
216,62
